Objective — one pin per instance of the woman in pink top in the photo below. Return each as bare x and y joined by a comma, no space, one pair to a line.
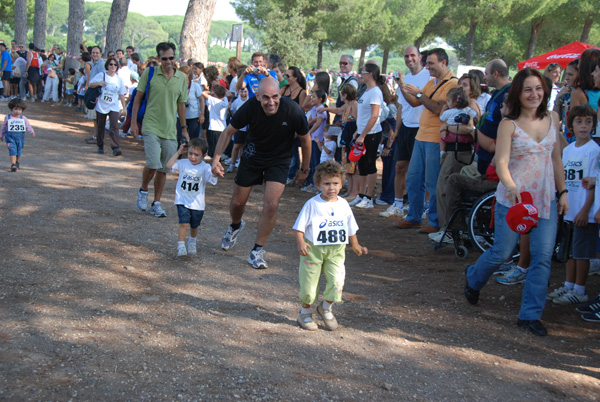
528,158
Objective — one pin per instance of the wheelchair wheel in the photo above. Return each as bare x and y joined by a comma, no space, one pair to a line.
461,252
479,222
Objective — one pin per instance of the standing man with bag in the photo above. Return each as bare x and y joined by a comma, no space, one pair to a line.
166,98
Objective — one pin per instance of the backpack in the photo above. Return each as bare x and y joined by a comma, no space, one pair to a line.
91,96
142,109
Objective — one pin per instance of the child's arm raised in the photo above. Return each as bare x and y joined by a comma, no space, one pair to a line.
303,246
173,159
357,248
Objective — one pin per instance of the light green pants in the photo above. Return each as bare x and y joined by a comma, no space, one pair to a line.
330,259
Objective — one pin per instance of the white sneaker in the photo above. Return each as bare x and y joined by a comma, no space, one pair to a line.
569,298
379,201
181,251
157,210
437,236
556,293
142,200
391,211
257,259
355,201
365,203
191,247
230,169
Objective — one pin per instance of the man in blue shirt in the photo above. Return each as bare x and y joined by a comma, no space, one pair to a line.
253,74
5,70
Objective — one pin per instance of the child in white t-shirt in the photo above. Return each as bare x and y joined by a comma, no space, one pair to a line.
323,228
457,103
580,160
217,107
327,146
194,173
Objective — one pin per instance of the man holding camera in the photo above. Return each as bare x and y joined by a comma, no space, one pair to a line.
424,166
253,74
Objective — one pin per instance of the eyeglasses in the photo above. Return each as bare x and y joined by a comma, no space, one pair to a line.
112,64
365,72
167,58
344,63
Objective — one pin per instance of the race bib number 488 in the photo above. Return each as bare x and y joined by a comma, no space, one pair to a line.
329,232
17,125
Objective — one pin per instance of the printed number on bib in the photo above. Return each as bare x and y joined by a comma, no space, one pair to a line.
108,97
16,125
575,170
329,231
190,186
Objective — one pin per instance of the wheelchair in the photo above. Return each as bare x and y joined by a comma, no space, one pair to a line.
471,225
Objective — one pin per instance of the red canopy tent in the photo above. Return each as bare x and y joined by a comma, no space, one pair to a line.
563,56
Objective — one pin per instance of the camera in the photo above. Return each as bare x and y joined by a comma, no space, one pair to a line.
255,70
462,118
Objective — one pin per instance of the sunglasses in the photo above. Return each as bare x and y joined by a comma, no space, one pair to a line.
167,58
344,63
112,64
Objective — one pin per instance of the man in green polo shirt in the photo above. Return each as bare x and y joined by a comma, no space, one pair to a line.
167,96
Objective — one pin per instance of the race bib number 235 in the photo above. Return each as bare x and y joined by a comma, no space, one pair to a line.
17,125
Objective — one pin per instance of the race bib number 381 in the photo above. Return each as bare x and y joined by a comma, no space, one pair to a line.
17,125
329,231
575,170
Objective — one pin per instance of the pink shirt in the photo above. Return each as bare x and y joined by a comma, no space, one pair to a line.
5,124
531,169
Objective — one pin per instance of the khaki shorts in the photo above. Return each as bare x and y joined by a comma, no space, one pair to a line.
158,151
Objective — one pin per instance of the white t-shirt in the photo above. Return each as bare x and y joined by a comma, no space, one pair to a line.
108,101
326,223
132,66
191,184
81,85
235,105
411,115
483,100
232,86
132,88
192,110
331,146
125,74
579,162
217,109
372,96
449,115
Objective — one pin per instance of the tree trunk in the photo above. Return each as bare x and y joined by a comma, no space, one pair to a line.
39,23
320,55
587,26
194,32
116,25
75,32
361,60
386,55
21,21
471,42
536,26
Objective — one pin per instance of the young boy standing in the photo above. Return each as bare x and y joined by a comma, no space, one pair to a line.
194,173
580,160
217,109
323,228
13,131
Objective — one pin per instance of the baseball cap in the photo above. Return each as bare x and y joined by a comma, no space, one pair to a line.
356,152
134,76
523,217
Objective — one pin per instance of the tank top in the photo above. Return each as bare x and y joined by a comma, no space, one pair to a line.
35,61
297,98
531,169
592,96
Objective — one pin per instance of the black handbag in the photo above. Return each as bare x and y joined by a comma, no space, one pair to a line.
91,96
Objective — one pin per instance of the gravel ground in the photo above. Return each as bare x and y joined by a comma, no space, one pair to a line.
94,305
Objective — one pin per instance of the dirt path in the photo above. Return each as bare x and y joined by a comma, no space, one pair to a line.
94,305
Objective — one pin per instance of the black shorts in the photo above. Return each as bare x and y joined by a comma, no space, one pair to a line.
251,173
206,119
6,75
15,80
405,142
33,75
367,164
240,137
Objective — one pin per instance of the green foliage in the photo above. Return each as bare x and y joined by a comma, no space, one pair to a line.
289,43
7,15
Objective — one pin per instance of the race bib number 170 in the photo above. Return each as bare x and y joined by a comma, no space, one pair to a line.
17,125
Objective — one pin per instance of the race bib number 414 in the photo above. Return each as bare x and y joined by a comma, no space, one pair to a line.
17,125
329,232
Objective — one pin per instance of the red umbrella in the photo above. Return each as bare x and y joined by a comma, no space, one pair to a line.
563,56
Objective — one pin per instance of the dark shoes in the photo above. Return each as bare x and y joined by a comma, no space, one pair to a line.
471,294
535,326
100,150
117,152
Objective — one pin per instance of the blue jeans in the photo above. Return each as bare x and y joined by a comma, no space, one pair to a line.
387,177
315,158
423,171
295,163
541,241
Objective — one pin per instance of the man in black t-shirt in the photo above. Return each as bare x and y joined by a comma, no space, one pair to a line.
273,123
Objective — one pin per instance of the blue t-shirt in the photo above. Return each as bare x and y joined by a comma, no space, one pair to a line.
252,81
6,57
492,119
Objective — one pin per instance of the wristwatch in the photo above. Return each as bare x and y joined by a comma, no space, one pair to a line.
418,96
182,127
304,170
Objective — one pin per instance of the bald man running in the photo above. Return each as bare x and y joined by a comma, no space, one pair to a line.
273,123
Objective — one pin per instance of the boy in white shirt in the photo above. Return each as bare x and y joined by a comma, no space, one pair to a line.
580,160
194,173
327,146
217,107
323,228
